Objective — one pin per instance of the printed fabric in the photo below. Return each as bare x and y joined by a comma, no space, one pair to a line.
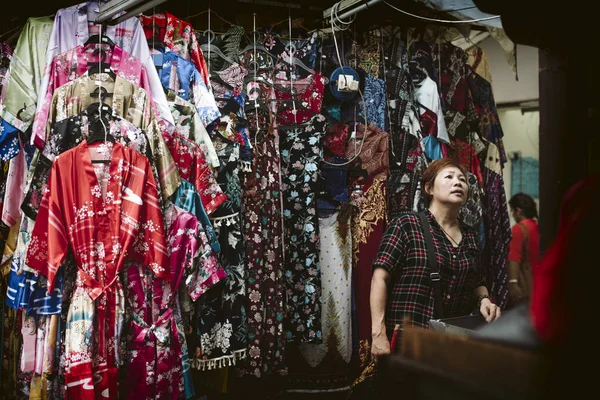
71,28
180,76
221,322
67,134
114,215
192,166
128,101
189,125
22,85
300,158
263,235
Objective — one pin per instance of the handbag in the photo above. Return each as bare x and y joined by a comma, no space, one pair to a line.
464,323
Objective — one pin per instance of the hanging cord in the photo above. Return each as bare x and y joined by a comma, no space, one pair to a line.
100,86
444,21
337,51
255,69
290,47
387,103
209,32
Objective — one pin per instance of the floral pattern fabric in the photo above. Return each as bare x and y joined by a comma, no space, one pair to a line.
306,50
221,322
192,166
67,134
300,157
130,102
189,125
205,271
307,92
101,235
263,235
375,101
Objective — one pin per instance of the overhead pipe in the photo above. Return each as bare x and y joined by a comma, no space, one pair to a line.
345,4
136,11
110,9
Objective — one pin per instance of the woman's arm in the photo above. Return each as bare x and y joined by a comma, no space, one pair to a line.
378,300
489,310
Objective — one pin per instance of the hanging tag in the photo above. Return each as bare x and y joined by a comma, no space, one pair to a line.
158,59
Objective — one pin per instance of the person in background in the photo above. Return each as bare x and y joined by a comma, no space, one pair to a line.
401,285
524,250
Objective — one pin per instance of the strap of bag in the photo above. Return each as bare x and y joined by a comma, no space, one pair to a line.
433,266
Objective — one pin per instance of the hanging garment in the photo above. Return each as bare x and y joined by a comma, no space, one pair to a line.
497,226
478,60
192,166
128,101
179,36
326,366
231,101
74,63
221,322
189,125
300,157
6,53
72,28
67,134
113,215
263,236
369,220
375,100
22,86
306,50
368,53
180,76
206,270
15,189
307,92
426,94
461,117
485,105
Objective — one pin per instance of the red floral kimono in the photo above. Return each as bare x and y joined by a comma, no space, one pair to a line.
104,214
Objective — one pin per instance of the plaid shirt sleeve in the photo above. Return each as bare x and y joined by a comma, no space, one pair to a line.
392,249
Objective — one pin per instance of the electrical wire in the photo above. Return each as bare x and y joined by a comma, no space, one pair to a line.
445,21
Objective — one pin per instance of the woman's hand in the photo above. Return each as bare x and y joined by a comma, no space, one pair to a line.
489,310
380,346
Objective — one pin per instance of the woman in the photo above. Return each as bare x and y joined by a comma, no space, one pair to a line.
401,285
524,250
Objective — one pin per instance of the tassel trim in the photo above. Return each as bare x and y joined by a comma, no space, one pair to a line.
221,362
245,166
228,220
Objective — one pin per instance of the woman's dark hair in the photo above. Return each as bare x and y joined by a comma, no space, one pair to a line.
525,203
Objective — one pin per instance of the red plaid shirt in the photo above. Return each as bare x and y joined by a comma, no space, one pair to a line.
403,253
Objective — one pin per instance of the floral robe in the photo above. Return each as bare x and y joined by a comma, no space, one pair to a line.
189,125
192,166
103,217
130,102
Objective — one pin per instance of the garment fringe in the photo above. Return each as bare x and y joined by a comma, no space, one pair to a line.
229,220
221,362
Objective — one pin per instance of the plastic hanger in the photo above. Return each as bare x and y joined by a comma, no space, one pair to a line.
99,39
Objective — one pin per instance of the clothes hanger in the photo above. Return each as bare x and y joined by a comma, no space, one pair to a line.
99,116
99,39
101,67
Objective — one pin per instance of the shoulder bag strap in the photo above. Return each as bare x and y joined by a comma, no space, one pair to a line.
433,266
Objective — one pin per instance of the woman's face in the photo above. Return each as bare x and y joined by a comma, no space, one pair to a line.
450,187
